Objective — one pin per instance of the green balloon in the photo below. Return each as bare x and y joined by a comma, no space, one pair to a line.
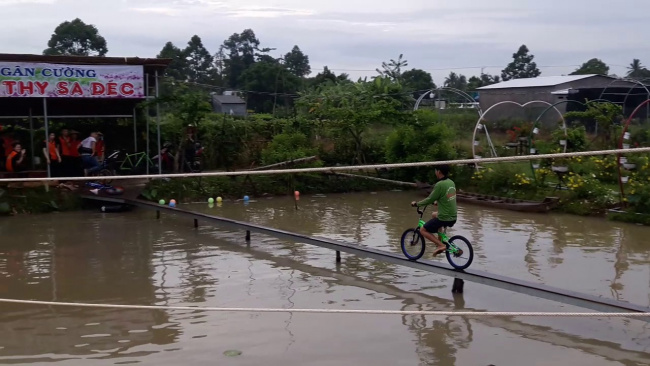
162,202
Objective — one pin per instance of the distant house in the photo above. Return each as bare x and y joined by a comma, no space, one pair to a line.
553,89
229,103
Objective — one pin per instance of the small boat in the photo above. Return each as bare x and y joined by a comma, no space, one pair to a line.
491,201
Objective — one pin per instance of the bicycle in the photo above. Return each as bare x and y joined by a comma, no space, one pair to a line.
136,163
453,252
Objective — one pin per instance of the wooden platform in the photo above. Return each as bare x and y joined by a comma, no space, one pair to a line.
24,174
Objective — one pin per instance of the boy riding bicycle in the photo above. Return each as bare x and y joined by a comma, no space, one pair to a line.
444,195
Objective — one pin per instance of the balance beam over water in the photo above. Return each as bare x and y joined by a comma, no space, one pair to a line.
585,301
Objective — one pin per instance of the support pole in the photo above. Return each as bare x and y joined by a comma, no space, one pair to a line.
47,133
248,235
31,136
158,123
146,80
157,214
196,223
135,132
338,257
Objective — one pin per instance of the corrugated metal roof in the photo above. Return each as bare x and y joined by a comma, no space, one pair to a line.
228,99
538,81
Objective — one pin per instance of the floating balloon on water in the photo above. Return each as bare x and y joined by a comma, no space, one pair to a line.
161,202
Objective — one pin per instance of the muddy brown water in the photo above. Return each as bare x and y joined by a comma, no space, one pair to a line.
132,258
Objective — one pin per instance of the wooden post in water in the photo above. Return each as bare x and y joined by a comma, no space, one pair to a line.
457,288
248,235
157,214
196,223
338,257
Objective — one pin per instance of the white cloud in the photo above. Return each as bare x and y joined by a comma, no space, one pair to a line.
157,10
25,2
357,34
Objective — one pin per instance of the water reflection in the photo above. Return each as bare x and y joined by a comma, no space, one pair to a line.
133,258
545,248
51,260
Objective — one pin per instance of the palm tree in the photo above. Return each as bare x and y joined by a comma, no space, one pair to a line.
635,67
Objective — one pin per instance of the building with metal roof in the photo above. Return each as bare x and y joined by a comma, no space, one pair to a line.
229,103
550,89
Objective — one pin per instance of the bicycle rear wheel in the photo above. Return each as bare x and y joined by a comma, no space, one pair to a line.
412,244
105,173
460,253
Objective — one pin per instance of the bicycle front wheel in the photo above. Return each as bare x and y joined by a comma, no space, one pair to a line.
460,253
413,244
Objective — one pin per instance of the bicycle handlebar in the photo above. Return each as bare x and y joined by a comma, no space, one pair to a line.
421,212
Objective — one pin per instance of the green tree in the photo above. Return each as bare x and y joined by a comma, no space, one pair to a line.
241,50
272,83
393,68
456,81
297,62
593,66
606,115
200,67
350,108
76,38
177,69
522,66
637,71
322,77
418,80
188,106
327,76
476,82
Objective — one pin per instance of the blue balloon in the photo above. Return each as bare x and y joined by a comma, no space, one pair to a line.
246,198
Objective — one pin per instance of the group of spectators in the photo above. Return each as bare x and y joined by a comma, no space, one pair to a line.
67,156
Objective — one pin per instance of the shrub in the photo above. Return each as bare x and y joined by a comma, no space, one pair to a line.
412,144
287,146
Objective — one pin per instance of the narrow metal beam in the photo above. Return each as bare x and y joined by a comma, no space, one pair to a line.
506,283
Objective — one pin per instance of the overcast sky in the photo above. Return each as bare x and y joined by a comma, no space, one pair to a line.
355,36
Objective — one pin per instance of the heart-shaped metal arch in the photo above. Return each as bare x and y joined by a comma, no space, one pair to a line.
620,146
482,117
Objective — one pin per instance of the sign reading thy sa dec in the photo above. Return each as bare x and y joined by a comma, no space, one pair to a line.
21,79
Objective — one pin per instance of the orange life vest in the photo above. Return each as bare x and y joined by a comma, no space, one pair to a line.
10,161
99,147
74,148
65,150
51,146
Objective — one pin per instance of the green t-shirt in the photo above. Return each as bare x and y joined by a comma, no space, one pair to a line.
445,193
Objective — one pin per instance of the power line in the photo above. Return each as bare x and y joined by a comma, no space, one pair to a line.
457,68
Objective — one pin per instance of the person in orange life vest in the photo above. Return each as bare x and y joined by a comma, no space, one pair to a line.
65,152
100,147
52,156
76,165
16,159
3,156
